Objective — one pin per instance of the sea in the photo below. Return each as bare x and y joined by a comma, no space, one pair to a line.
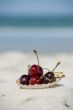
46,34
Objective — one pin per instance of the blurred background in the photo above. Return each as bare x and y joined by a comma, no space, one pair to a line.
45,25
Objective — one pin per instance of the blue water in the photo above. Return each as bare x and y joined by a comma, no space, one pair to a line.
44,45
38,21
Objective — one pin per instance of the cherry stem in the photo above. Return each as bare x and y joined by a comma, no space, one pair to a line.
56,66
36,56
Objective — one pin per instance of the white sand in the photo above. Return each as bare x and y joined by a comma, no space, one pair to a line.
13,64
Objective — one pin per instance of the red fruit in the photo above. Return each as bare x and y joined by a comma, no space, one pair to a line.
46,81
24,79
43,80
35,70
33,80
49,75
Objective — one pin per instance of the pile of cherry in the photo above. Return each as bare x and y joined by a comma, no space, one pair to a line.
36,76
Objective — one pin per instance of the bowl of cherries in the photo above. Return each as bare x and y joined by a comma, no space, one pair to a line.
37,79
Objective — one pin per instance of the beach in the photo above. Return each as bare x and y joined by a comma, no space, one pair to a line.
44,39
45,26
13,64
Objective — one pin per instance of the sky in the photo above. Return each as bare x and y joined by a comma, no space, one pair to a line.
36,7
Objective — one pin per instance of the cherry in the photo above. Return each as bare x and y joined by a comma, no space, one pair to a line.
35,69
49,75
33,80
40,81
46,81
24,79
43,80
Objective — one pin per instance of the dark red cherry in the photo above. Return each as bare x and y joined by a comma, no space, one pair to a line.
43,80
46,81
24,79
33,80
35,70
49,75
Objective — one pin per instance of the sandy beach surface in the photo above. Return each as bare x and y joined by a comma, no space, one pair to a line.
14,64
